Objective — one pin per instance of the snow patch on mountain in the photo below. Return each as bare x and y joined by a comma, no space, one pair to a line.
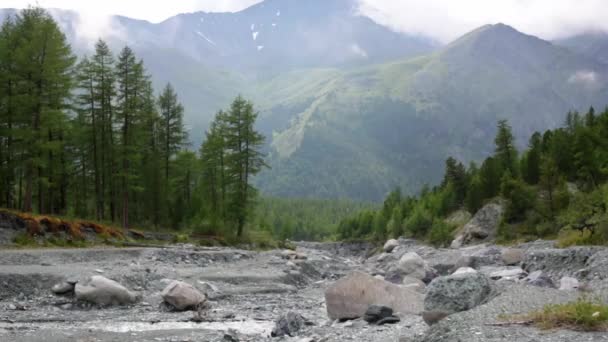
205,38
255,35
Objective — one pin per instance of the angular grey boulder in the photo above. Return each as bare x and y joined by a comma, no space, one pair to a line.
539,279
455,293
103,291
351,296
182,296
482,227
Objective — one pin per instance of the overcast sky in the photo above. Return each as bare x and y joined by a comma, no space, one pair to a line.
440,19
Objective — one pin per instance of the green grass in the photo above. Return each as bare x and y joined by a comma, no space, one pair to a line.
581,315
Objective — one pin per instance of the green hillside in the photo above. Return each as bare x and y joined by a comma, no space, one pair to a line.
358,133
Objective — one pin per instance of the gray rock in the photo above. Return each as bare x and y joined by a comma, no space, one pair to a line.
513,256
390,245
482,227
559,262
351,296
414,284
288,325
63,288
103,291
182,296
412,265
456,293
568,284
538,278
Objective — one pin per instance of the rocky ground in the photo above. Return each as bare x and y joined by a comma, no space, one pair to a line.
248,291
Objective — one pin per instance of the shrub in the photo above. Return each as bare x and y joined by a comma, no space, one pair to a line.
440,234
584,314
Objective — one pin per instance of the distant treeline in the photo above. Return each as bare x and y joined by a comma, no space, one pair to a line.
557,186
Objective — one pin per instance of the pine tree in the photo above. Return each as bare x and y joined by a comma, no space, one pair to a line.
531,160
104,95
174,136
243,161
505,153
131,80
44,61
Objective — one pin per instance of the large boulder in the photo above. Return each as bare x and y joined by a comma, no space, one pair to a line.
182,296
103,291
482,227
458,292
351,296
390,245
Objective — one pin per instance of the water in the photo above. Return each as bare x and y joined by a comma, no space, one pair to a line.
247,327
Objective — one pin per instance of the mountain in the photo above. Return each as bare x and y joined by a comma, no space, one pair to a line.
592,44
351,108
361,132
212,57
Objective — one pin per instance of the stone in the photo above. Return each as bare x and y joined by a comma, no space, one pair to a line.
390,245
288,325
351,296
513,274
412,265
483,226
455,293
376,313
539,279
568,284
63,288
103,291
182,296
464,270
432,317
513,256
413,283
231,336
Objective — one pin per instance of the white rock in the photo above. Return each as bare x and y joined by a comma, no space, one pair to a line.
514,273
103,291
465,270
182,296
390,245
568,284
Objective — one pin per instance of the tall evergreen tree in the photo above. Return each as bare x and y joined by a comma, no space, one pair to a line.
44,62
505,153
244,159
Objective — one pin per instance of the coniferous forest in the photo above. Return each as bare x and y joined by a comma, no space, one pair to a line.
90,138
557,187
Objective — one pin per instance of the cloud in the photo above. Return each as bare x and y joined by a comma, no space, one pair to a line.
446,20
443,20
584,77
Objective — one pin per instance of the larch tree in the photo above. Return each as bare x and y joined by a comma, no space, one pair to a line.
244,159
